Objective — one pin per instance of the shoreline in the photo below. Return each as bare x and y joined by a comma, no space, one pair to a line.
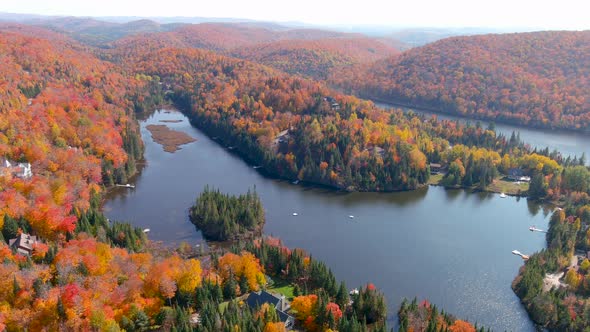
217,245
439,111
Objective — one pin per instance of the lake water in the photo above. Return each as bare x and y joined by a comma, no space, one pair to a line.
569,143
449,246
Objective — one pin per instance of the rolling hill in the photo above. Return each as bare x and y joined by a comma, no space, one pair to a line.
316,58
538,79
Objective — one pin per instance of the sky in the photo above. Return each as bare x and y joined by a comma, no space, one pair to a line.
542,14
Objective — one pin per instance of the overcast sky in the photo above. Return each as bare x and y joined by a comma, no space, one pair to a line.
545,14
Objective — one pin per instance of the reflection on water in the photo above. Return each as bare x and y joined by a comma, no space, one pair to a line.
450,246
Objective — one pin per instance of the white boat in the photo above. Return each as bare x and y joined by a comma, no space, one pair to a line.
147,230
295,182
257,167
295,214
351,216
126,185
502,195
516,252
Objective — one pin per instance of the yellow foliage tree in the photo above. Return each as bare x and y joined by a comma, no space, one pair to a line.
189,275
275,327
572,278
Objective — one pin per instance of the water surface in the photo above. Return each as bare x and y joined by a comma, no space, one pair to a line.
450,246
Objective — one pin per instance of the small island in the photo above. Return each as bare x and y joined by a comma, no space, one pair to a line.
222,217
170,139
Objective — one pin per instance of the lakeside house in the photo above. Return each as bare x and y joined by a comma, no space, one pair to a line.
517,174
257,299
20,170
281,140
436,168
23,243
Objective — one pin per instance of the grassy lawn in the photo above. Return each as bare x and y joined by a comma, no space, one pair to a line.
509,187
500,185
435,179
283,288
223,306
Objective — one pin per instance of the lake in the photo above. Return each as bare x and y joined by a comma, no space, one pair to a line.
449,246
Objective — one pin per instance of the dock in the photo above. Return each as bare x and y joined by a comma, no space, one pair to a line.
518,253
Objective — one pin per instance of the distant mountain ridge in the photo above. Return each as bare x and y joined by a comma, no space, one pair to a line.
539,79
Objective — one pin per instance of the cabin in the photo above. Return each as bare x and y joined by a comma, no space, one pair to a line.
436,168
24,243
376,149
20,170
257,299
281,140
517,174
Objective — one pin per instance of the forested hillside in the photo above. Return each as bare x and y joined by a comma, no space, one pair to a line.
316,58
68,109
71,117
538,79
305,52
300,130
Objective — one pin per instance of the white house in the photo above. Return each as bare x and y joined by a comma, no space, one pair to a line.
20,170
23,243
256,299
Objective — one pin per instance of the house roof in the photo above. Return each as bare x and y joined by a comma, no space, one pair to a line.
258,299
283,316
23,242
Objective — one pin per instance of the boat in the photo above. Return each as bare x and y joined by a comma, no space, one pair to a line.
295,214
147,230
535,229
502,195
257,167
351,216
518,253
126,185
295,182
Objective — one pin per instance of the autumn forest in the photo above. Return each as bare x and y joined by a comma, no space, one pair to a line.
291,102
